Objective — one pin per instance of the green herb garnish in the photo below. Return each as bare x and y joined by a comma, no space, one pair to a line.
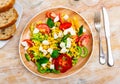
42,60
50,22
80,30
55,54
64,39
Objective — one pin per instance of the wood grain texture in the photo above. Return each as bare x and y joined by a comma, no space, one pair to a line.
12,70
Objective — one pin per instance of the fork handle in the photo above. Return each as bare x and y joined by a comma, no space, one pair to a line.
102,59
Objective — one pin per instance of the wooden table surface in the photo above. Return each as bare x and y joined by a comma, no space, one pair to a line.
12,70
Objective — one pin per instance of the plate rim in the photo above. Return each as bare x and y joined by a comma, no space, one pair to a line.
73,72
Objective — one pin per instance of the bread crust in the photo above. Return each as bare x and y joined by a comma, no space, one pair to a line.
7,6
7,33
12,21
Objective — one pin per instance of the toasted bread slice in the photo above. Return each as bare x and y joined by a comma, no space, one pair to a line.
7,33
8,18
6,5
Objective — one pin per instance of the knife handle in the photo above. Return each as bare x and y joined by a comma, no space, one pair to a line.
109,52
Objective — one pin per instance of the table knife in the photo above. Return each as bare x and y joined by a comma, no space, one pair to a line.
107,35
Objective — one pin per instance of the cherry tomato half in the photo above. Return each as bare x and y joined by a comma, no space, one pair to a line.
63,63
29,42
65,25
51,15
43,28
83,40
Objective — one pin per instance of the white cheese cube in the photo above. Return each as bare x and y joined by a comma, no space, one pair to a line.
43,65
25,44
62,44
40,48
72,31
66,17
69,40
36,30
50,50
44,52
84,30
55,36
45,42
63,50
66,31
56,19
50,60
52,66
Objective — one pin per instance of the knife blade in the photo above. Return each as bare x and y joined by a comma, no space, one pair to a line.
107,35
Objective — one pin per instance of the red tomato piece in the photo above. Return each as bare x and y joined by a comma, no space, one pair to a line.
63,63
83,40
43,28
29,42
65,25
51,15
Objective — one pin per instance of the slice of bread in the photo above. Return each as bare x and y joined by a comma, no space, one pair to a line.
8,32
6,5
8,18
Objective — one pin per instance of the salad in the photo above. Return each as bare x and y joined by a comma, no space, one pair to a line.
56,44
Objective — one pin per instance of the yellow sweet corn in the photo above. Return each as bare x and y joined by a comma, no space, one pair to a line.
34,48
76,22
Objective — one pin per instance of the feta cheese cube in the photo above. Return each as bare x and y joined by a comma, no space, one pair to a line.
63,50
55,36
56,19
62,44
66,17
25,44
43,65
45,42
84,30
44,52
66,32
40,48
52,66
72,31
50,60
69,40
50,50
36,30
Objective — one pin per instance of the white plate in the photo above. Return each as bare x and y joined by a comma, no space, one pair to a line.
19,9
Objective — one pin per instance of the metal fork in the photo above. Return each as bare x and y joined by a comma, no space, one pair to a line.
97,23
